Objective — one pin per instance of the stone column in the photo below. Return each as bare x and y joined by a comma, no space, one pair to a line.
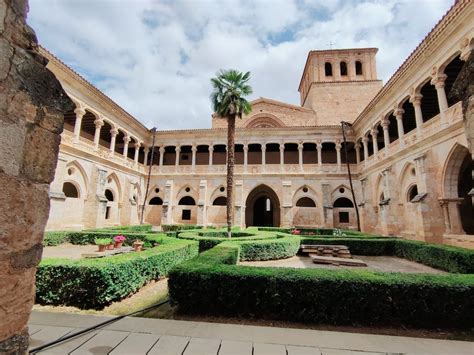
282,154
193,159
162,155
357,149
211,152
246,156
300,155
375,143
398,113
416,102
113,133
338,155
77,126
386,138
126,141
178,151
146,151
202,204
319,147
98,126
444,203
365,142
439,83
264,149
137,151
32,105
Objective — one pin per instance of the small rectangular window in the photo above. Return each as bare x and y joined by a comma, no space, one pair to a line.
186,215
107,212
343,217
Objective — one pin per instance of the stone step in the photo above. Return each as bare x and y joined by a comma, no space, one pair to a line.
318,259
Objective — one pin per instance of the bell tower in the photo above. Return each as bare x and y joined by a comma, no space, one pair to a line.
338,84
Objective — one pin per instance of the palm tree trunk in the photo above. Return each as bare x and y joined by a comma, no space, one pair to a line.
230,171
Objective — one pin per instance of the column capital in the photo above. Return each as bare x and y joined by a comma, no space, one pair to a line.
194,148
98,123
211,148
439,80
357,145
138,145
127,139
466,47
385,123
415,99
338,145
282,147
374,132
114,132
79,112
398,113
300,146
161,149
146,149
263,147
365,140
177,148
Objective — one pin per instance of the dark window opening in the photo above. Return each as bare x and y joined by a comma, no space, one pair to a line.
107,212
412,192
328,69
358,66
70,190
186,215
220,201
109,195
429,102
343,66
343,202
187,201
343,217
156,201
409,121
305,202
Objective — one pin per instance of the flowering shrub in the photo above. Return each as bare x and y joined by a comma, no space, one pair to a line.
119,239
296,232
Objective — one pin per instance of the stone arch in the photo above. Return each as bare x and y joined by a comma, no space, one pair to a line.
305,202
406,178
220,201
261,120
217,193
186,190
71,189
451,170
300,193
113,182
187,201
255,215
337,192
411,192
377,189
76,173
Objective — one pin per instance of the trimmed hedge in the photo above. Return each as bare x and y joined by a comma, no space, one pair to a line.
268,249
206,285
95,283
208,242
178,227
133,228
55,238
444,257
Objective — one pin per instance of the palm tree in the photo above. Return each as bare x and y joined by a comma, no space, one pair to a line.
228,100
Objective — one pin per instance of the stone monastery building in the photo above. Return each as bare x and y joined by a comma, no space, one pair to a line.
407,150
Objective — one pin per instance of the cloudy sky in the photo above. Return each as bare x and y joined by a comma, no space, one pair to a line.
155,58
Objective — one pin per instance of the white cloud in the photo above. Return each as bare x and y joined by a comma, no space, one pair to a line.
155,58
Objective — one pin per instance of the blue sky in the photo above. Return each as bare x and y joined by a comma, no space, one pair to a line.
155,58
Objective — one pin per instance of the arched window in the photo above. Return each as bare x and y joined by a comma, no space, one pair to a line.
343,202
70,190
305,202
109,195
343,67
358,66
328,69
220,201
156,201
412,192
187,201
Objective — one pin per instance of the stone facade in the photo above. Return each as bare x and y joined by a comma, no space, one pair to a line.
407,151
32,104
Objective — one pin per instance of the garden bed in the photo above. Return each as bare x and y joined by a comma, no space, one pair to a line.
95,283
213,284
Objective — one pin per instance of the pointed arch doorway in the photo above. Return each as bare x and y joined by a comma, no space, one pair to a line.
262,207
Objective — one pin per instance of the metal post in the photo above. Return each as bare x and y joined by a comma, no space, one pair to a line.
343,124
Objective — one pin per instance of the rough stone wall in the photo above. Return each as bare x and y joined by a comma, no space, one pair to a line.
32,103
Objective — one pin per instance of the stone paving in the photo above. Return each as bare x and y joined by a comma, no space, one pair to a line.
376,263
169,337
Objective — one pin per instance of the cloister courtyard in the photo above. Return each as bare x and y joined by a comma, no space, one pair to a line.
343,224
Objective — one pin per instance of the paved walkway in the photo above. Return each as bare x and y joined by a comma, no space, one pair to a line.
169,337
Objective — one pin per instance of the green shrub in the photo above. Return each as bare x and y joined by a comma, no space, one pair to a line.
268,249
88,237
95,283
444,257
103,241
133,228
55,238
212,284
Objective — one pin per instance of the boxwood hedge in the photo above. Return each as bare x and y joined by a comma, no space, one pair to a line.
211,284
95,283
88,237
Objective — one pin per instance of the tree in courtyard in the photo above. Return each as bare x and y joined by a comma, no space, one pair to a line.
228,100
